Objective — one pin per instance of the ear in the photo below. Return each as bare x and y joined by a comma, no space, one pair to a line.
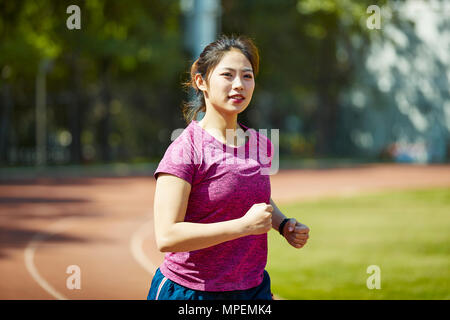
200,82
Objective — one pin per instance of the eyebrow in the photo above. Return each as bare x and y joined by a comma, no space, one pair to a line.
245,69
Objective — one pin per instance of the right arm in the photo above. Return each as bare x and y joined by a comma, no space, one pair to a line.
175,235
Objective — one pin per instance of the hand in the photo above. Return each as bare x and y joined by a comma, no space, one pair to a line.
296,233
258,219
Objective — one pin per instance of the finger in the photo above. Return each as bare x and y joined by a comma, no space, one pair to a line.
269,208
301,229
291,224
299,241
298,234
293,238
302,236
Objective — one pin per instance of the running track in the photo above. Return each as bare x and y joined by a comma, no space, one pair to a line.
104,226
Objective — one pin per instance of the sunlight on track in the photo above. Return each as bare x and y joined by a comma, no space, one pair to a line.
31,248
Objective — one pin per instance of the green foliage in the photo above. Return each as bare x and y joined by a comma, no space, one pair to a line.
132,52
302,72
127,51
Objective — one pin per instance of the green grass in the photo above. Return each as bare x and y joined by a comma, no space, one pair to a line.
405,233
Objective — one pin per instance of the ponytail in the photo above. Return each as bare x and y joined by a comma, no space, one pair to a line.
196,103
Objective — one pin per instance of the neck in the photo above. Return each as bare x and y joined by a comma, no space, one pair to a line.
218,124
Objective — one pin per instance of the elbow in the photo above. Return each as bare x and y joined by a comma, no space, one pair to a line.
164,244
168,240
164,249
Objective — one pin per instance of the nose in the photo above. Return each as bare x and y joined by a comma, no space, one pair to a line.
237,83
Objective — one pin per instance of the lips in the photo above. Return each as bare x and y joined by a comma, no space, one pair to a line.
237,96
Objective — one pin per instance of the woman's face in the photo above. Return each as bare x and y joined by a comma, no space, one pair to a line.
231,83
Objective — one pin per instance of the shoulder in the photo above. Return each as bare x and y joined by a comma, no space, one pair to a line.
182,134
183,138
262,135
186,144
180,158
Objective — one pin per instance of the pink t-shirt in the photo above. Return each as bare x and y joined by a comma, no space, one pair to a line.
225,183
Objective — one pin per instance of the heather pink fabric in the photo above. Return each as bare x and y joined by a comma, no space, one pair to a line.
225,182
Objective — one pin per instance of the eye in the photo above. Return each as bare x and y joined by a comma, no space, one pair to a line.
249,76
227,74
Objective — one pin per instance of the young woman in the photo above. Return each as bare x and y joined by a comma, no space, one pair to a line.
212,207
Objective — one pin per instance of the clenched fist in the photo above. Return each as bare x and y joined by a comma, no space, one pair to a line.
296,233
258,219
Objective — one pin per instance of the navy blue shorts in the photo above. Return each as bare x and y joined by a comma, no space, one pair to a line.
163,288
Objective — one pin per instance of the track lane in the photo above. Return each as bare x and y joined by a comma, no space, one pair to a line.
110,216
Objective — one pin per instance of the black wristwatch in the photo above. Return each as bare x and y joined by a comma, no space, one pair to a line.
280,228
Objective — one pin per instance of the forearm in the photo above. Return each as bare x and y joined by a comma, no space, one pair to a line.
277,215
188,236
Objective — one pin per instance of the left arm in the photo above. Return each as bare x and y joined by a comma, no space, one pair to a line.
277,216
296,233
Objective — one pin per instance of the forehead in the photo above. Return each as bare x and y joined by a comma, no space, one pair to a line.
234,59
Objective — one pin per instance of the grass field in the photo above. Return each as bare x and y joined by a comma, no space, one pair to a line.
405,233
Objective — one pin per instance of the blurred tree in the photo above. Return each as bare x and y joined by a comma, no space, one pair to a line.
114,90
25,43
302,71
399,104
128,52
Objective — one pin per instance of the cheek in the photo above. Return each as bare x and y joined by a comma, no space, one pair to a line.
250,90
221,89
250,86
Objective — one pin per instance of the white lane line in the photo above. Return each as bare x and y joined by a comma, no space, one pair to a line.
29,255
136,244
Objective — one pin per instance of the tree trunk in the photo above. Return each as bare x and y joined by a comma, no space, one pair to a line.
327,107
76,110
5,121
105,121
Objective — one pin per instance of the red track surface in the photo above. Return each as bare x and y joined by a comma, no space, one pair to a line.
103,225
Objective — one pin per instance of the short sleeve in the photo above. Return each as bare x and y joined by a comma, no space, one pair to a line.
178,159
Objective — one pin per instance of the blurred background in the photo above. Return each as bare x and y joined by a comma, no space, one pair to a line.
110,92
90,93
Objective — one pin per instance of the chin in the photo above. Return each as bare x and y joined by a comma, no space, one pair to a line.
236,109
241,107
230,109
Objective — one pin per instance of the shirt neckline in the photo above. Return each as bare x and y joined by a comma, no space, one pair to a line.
220,143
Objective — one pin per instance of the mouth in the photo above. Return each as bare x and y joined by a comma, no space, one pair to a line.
237,97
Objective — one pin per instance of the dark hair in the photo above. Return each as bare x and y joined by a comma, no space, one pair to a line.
208,60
